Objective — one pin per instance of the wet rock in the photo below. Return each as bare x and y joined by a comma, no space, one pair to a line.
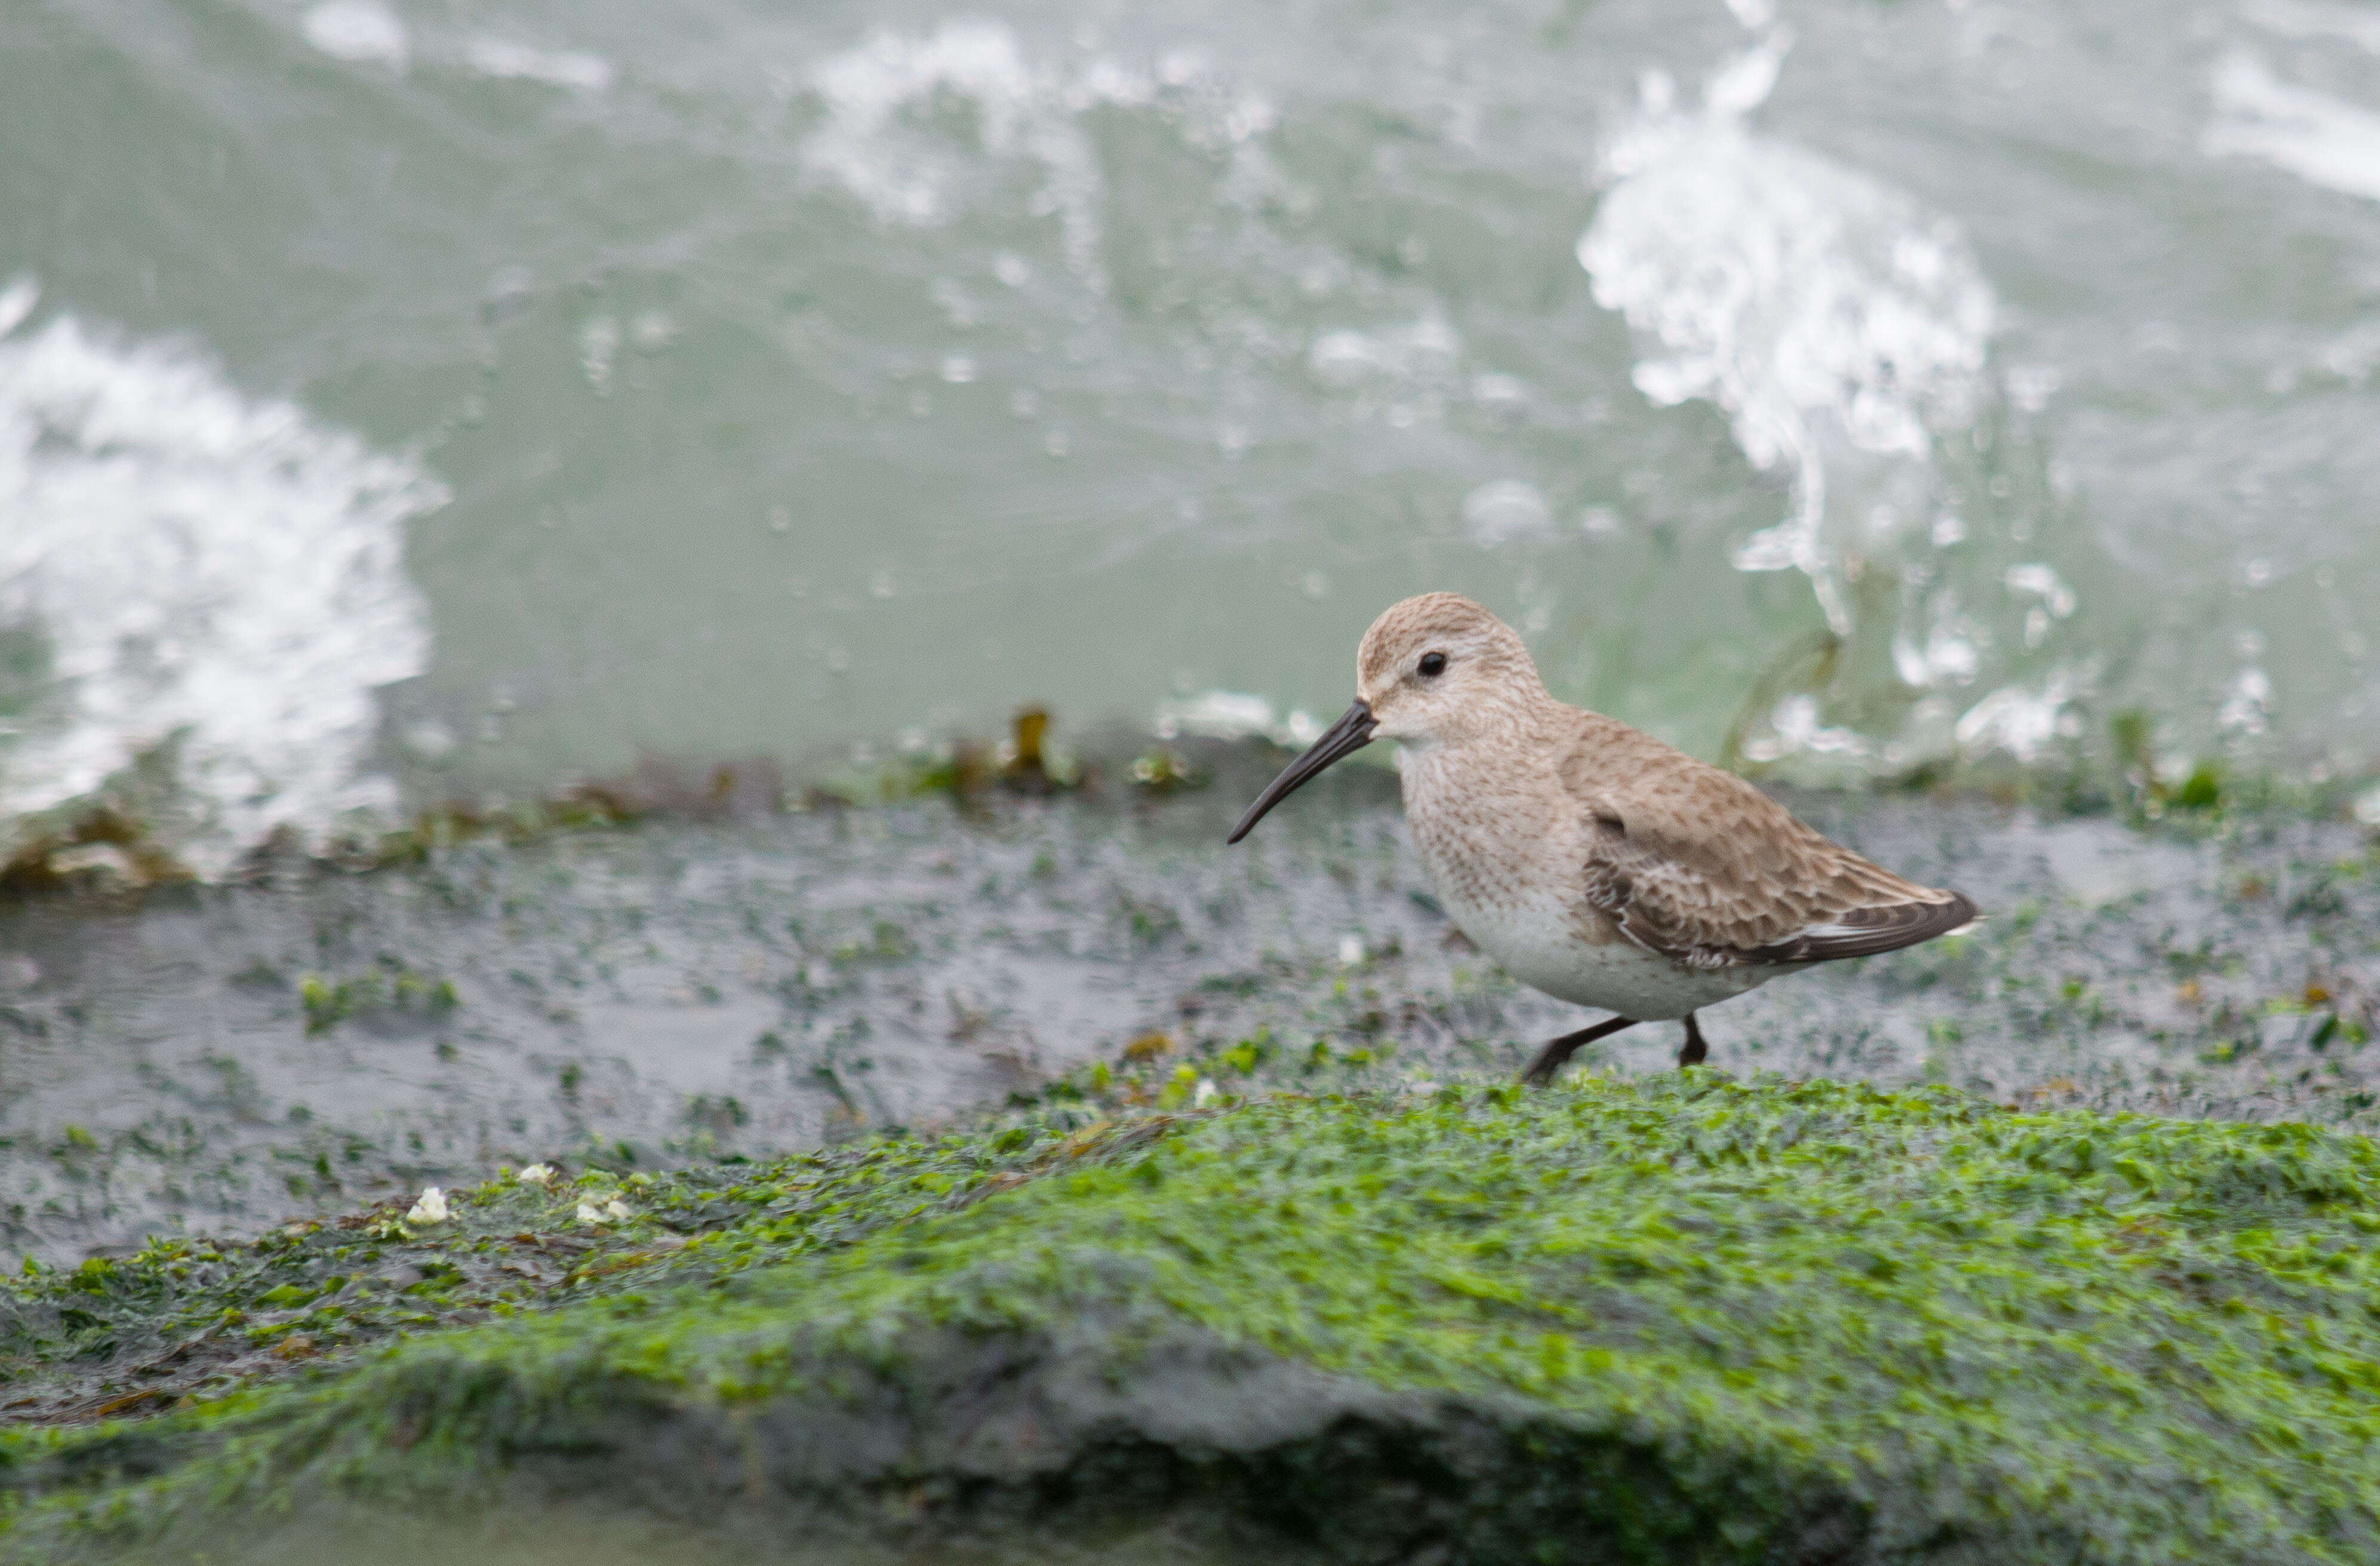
1676,1320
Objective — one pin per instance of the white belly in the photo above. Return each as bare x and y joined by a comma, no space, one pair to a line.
1510,878
1540,947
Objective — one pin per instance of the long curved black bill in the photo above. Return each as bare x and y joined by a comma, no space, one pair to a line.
1349,734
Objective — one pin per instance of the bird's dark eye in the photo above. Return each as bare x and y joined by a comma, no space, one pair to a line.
1432,664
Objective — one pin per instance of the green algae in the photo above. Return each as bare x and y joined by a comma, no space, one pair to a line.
1684,1319
389,987
179,1318
607,998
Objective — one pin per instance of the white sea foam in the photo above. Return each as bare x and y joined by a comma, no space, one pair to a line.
197,569
2310,20
1795,726
1837,323
1505,509
1426,352
358,30
909,173
2018,721
2354,353
1231,714
2247,705
907,169
2043,582
2321,139
556,68
1949,657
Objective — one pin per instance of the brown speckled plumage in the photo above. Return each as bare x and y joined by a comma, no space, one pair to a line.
1596,862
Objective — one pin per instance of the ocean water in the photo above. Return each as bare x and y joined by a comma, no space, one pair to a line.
402,400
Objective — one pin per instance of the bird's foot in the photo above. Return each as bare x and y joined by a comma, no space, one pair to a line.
1550,1058
1695,1052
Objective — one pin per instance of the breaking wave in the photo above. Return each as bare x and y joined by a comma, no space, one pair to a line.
907,169
194,577
1844,331
1836,325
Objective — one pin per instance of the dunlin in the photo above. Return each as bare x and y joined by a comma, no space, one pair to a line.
1595,863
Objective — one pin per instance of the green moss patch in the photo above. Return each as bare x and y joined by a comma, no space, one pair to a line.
1683,1319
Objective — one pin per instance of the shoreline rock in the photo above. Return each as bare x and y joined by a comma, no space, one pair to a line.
680,993
1666,1319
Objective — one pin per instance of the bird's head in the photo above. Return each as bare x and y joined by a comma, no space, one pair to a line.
1442,669
1434,670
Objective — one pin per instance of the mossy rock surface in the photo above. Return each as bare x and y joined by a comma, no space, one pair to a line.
1675,1320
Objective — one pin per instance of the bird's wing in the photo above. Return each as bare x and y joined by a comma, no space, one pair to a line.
1698,866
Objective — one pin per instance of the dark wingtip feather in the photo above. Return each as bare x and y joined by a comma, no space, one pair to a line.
1972,915
1867,932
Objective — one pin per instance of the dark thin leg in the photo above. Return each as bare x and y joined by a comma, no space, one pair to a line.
1550,1058
1695,1052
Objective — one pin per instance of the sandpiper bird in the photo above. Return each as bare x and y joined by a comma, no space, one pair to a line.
1595,863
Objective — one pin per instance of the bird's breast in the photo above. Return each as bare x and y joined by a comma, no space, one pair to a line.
1492,839
1509,862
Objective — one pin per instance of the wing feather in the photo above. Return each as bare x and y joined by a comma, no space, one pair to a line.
1700,866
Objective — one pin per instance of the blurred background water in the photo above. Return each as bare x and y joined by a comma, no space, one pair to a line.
405,399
